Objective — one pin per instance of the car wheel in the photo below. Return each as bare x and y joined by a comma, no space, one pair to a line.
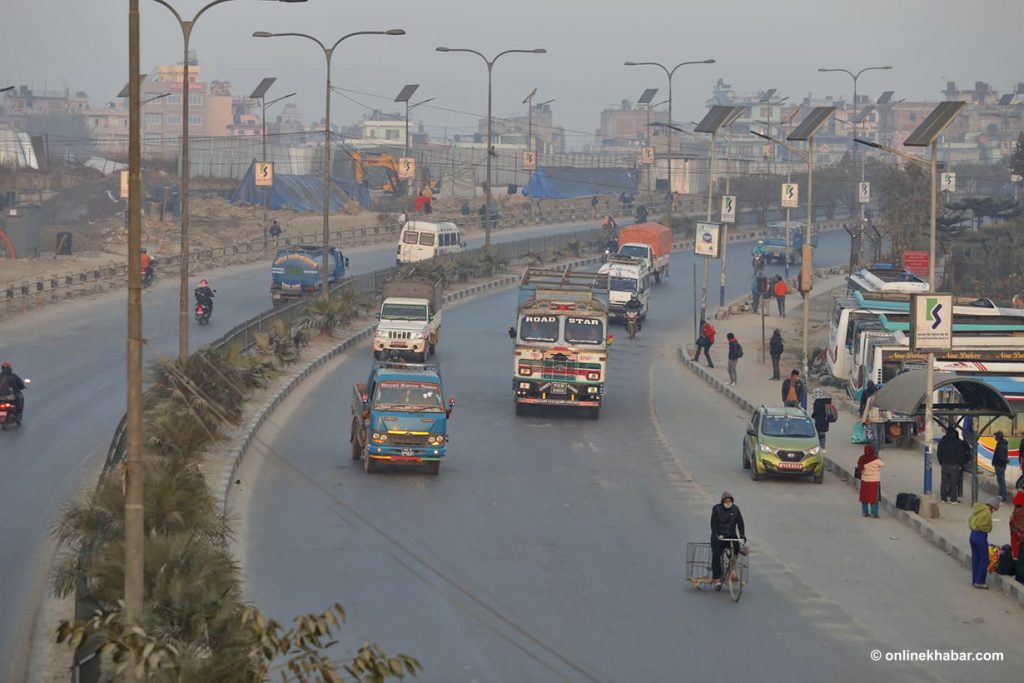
754,474
745,459
369,464
819,478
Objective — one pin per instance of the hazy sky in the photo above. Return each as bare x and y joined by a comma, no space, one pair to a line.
758,44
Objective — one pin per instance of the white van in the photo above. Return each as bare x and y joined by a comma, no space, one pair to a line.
626,277
421,240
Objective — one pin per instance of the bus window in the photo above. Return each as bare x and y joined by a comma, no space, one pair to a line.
410,237
426,239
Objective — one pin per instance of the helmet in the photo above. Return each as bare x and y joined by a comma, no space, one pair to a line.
203,283
143,250
5,364
760,241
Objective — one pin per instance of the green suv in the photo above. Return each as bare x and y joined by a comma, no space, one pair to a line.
782,441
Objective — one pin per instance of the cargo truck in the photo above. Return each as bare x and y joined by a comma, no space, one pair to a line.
560,347
295,271
649,241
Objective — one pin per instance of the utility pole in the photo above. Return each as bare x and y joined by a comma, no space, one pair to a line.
134,530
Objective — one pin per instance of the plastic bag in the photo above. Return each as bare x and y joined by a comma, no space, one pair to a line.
859,435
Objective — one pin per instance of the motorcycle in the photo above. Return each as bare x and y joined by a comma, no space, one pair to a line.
9,414
149,274
632,322
203,312
758,263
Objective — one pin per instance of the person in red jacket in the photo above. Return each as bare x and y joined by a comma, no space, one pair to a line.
781,290
1017,527
704,341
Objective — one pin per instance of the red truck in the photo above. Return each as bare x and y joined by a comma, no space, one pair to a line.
651,242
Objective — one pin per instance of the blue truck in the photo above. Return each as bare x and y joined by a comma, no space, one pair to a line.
399,416
775,242
295,271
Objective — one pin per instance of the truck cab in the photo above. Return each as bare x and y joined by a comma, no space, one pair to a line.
399,416
626,277
295,271
409,320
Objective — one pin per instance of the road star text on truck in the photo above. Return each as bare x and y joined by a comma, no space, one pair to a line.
399,416
560,354
409,320
651,242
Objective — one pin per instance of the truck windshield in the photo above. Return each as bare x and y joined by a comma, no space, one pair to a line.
403,312
633,251
584,331
776,425
414,395
539,328
622,284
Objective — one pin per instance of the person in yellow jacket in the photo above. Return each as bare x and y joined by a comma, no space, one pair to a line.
980,524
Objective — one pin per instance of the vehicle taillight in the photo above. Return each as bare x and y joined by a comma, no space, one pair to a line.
525,370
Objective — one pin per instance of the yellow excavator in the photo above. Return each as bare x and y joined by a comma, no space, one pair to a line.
379,170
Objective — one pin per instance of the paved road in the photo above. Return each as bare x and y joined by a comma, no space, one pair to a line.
74,353
551,546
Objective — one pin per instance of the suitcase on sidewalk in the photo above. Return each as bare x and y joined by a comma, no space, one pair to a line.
909,502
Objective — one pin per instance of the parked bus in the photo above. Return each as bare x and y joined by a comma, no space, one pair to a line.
885,277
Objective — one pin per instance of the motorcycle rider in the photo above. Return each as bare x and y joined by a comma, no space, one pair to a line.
726,522
146,264
204,296
634,305
10,383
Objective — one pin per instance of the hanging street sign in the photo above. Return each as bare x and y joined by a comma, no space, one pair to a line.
728,208
706,242
790,195
647,155
407,168
529,161
864,192
948,182
931,322
264,174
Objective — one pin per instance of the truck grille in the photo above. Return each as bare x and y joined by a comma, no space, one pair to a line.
407,439
399,334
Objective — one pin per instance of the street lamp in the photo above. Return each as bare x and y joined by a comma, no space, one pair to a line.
490,151
804,132
669,73
529,116
186,34
927,135
325,290
855,244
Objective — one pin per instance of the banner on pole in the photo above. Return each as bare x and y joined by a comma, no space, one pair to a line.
948,182
264,174
706,242
647,155
728,208
529,161
407,168
790,195
864,192
931,322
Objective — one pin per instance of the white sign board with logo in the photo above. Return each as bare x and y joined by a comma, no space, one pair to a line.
264,174
407,168
647,155
948,183
790,195
864,192
728,208
931,322
706,242
529,161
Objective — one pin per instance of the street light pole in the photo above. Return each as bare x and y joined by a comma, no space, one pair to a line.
325,289
490,119
668,147
134,529
855,239
711,187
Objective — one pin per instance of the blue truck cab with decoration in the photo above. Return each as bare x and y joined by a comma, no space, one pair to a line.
295,271
400,416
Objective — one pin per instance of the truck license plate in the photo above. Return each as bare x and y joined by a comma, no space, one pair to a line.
408,452
559,388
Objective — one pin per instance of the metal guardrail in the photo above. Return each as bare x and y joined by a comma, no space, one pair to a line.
116,273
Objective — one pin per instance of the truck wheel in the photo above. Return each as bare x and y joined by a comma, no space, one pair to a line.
594,413
376,355
356,449
657,276
520,409
434,467
421,357
432,349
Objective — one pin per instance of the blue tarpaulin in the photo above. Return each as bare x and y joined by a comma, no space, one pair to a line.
560,182
298,192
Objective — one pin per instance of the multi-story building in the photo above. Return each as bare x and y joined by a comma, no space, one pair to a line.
516,130
626,126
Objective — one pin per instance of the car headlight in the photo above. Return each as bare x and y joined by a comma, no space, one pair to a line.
436,440
379,436
764,448
525,371
417,335
814,450
524,385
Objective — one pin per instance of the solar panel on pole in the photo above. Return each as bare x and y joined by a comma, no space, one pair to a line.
936,122
407,92
261,90
811,123
647,96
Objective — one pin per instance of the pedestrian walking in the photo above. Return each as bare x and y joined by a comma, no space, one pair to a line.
593,206
1000,459
465,209
775,349
641,213
275,229
866,394
794,391
755,294
950,455
980,524
824,413
869,471
874,425
483,216
1017,531
781,290
735,353
705,340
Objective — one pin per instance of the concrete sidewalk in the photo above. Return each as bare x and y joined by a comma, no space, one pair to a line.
903,470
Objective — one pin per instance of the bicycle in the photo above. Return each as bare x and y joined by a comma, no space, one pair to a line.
734,566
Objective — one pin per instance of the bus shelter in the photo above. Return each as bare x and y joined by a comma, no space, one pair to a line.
957,399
